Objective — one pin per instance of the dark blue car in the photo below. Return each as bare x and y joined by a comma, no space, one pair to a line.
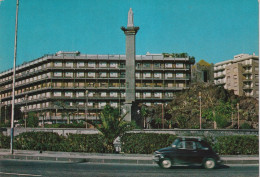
187,150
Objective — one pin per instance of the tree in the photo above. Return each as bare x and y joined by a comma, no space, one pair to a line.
33,120
112,125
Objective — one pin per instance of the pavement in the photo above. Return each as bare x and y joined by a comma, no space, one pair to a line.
108,158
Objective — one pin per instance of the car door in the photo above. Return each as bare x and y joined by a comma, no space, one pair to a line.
186,152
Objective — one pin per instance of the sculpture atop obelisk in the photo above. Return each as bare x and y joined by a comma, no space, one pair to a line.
130,32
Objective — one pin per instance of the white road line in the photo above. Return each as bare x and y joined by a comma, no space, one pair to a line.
18,174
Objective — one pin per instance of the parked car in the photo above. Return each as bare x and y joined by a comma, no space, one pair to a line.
187,150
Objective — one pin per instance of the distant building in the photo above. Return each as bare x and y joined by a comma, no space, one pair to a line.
239,74
202,72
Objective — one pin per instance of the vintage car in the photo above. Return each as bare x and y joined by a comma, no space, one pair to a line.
188,151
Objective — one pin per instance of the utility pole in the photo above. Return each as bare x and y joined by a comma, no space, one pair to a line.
86,108
162,117
26,113
200,108
14,69
237,115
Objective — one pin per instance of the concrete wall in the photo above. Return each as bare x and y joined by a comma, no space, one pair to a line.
179,132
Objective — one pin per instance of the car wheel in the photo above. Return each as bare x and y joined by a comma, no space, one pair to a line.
166,163
209,163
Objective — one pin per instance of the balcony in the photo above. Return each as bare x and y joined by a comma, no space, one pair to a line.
247,87
247,72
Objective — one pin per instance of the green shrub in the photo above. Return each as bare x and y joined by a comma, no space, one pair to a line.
74,125
145,143
44,141
238,144
4,141
246,126
84,143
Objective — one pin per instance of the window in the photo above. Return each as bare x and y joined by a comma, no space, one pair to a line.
158,75
113,104
80,64
147,75
138,75
168,65
103,94
113,94
189,145
91,64
58,64
69,74
80,74
179,65
103,64
103,74
79,94
56,93
158,94
147,94
57,74
113,65
68,94
168,75
147,65
179,75
91,74
157,65
69,64
113,74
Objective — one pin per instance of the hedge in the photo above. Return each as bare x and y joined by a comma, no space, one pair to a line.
237,144
4,141
84,143
145,143
134,143
44,141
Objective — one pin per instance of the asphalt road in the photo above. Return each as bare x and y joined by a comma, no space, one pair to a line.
65,169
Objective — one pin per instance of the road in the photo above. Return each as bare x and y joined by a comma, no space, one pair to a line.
65,169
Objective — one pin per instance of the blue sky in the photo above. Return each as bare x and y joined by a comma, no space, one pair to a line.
213,30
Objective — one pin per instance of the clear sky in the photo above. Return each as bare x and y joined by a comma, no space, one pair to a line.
213,30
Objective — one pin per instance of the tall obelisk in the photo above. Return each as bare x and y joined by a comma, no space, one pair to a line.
130,32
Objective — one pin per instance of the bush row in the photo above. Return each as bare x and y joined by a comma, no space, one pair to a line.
134,143
48,141
145,143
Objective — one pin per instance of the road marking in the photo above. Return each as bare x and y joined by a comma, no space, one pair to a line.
19,174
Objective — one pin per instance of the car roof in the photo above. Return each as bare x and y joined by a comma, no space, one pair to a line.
190,138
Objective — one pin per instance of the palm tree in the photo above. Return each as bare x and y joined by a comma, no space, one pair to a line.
112,125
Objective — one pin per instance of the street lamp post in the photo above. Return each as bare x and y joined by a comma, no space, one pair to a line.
26,115
162,117
86,108
5,113
14,69
200,108
237,115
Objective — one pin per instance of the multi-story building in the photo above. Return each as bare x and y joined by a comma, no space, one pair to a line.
239,74
86,83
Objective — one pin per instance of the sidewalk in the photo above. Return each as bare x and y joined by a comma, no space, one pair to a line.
107,158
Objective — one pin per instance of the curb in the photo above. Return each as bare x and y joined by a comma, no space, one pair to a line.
107,158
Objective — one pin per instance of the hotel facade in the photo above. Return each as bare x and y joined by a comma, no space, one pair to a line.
80,85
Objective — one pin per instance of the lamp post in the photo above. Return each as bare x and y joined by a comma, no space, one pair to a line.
14,69
237,115
5,113
200,108
86,108
162,117
26,115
